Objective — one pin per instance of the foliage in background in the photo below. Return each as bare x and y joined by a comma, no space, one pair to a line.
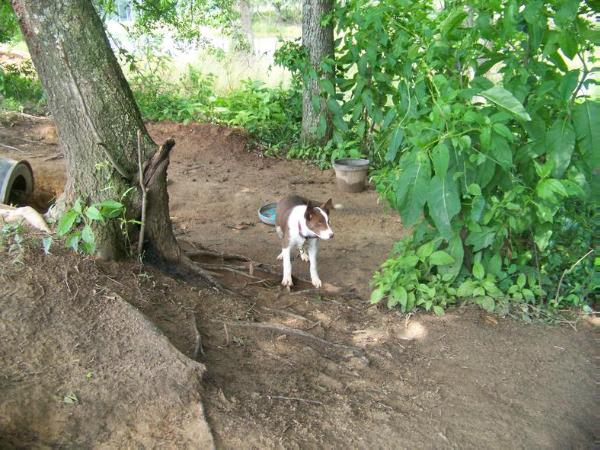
485,143
184,17
20,88
9,26
271,115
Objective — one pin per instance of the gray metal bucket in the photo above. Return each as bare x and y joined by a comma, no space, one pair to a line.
16,181
351,174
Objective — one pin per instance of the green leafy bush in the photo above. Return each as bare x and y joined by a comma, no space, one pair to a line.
20,87
9,27
271,115
486,142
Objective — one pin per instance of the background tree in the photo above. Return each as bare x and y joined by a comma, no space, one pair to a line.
317,38
245,10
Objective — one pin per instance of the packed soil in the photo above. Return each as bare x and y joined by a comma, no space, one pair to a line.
299,369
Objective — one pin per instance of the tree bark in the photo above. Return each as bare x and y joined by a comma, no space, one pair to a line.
246,23
318,41
97,119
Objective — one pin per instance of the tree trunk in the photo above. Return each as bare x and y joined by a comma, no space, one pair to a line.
246,23
318,41
91,103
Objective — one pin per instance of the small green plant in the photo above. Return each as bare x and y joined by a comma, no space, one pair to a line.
70,399
324,156
11,237
76,224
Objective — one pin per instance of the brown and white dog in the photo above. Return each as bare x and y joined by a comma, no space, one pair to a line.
298,221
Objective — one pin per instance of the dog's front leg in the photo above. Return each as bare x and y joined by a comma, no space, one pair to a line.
313,247
287,267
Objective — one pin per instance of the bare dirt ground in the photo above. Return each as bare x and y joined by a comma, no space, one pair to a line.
299,370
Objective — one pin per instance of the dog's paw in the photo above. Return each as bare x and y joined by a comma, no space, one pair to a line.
303,256
287,282
316,282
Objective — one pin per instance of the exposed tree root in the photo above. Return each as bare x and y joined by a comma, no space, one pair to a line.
300,333
197,270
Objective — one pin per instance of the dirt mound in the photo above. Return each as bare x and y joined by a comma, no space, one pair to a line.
82,368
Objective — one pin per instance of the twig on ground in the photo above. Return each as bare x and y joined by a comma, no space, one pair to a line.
204,252
226,335
195,269
53,157
231,269
19,138
66,280
297,399
198,349
294,332
10,147
28,116
287,313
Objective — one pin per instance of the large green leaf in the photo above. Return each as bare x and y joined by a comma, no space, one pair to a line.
586,119
561,142
413,185
441,158
440,258
453,20
506,100
551,189
377,295
501,151
568,84
444,203
66,222
456,250
395,141
568,44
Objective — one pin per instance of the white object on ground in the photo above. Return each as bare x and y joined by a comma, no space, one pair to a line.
31,216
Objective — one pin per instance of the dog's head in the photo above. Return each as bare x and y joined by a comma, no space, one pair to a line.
317,219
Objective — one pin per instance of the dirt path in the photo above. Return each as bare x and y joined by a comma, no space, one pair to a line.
374,379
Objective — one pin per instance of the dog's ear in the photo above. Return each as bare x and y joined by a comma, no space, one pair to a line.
309,211
327,206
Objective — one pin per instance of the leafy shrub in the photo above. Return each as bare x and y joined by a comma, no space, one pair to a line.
9,27
189,98
271,116
20,87
486,144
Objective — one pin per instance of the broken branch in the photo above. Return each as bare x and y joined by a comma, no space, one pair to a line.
144,193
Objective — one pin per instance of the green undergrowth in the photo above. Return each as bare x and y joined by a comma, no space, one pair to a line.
20,89
270,115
